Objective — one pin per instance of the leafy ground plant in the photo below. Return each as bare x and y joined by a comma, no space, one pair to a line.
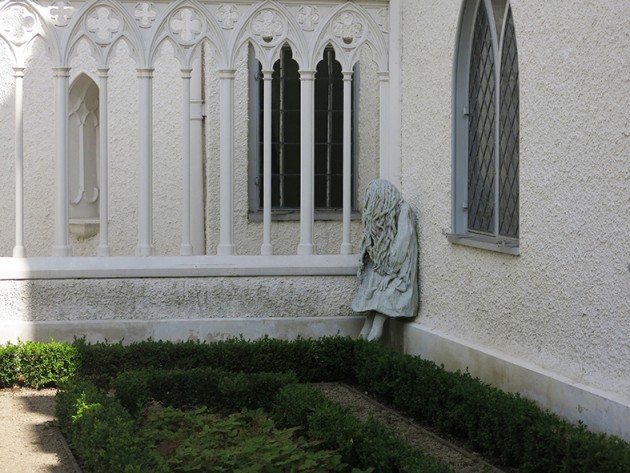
245,442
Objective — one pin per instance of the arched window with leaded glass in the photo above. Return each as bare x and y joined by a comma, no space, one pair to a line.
486,128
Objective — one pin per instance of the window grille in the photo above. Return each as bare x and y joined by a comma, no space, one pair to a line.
328,115
509,129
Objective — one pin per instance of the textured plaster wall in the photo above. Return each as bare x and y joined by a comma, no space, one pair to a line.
175,298
563,303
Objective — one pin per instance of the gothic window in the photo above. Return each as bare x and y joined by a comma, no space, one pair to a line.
486,125
83,190
328,122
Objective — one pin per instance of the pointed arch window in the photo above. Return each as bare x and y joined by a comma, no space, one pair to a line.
486,126
328,132
83,133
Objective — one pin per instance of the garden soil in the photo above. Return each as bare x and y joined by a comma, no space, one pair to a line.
31,443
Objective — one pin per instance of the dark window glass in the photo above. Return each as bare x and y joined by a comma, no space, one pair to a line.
328,117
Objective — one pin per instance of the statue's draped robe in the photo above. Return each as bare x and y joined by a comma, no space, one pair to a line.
393,294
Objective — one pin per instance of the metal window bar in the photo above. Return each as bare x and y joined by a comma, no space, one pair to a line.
328,125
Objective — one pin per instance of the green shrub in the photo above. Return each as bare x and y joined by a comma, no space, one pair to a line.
326,359
102,433
212,387
10,365
501,426
36,364
362,444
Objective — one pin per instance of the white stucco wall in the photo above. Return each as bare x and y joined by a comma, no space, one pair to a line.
562,304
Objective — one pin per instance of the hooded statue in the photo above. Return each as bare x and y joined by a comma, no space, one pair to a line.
388,259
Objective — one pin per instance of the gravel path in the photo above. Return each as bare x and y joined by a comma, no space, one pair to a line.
29,442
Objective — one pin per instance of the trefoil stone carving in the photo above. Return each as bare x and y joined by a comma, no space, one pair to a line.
308,17
268,25
145,14
348,28
228,16
61,13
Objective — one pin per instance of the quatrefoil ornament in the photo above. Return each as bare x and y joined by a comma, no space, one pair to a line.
349,28
269,27
186,26
19,25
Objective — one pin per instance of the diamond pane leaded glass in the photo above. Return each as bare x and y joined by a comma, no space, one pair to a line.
481,128
509,134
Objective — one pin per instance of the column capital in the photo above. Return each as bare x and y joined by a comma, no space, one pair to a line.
347,75
63,72
307,74
383,76
226,73
103,72
186,73
18,72
145,72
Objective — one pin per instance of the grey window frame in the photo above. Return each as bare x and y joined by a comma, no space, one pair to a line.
460,176
254,203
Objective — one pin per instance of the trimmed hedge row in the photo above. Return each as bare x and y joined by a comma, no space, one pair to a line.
36,364
102,433
326,359
224,390
108,438
362,444
499,425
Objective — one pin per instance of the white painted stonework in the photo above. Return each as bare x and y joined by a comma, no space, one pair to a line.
174,253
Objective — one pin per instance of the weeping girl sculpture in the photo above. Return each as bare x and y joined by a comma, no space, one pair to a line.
388,265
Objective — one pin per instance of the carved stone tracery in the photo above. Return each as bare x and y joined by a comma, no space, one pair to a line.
228,16
145,14
268,25
308,17
61,13
18,24
186,26
103,24
349,28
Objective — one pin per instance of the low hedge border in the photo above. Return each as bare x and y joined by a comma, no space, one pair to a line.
36,364
503,426
361,444
223,390
104,436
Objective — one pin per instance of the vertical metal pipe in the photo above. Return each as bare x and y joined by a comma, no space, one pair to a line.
346,246
103,156
145,164
186,247
267,248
